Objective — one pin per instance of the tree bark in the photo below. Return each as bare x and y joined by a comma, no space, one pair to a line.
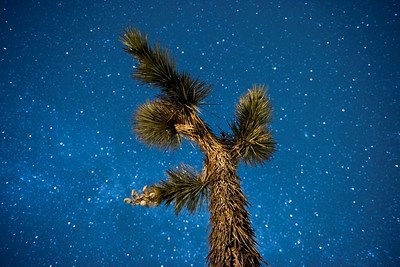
231,240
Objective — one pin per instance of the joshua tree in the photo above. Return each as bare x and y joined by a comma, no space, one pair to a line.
174,115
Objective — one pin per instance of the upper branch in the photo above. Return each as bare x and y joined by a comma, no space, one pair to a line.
157,68
253,141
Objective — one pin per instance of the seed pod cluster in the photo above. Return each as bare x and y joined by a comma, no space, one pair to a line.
146,198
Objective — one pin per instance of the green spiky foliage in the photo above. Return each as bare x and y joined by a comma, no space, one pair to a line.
164,121
158,69
183,188
253,141
154,123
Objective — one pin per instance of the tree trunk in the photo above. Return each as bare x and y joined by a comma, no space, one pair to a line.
232,241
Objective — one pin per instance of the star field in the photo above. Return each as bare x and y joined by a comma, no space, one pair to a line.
329,197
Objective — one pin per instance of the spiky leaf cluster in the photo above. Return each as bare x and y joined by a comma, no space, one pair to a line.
183,188
154,124
253,141
158,69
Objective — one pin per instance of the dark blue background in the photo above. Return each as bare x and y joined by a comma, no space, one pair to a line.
329,197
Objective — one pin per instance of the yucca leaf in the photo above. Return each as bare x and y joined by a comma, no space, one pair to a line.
253,109
183,188
135,43
258,147
253,141
188,91
158,69
154,124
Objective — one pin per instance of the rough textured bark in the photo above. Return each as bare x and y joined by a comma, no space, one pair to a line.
232,237
232,240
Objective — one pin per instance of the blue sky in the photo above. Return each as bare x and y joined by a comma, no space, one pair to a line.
68,157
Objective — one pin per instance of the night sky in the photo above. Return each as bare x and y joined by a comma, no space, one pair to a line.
329,197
